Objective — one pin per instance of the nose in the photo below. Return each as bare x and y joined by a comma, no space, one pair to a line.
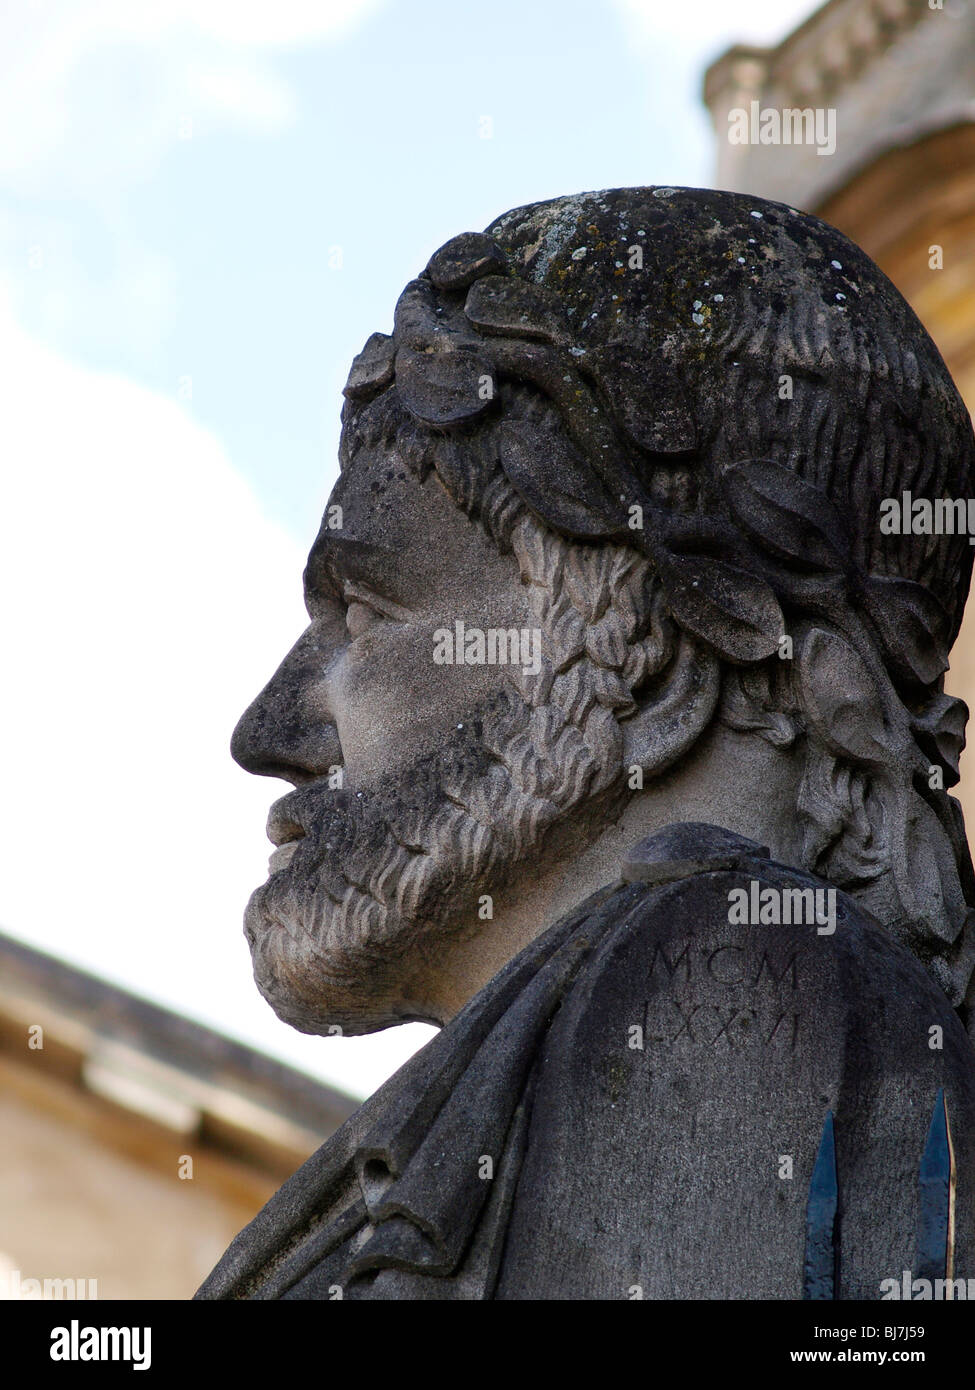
288,731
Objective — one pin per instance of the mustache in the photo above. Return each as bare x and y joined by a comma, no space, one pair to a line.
336,821
375,876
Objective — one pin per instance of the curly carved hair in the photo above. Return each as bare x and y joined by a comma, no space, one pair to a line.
869,814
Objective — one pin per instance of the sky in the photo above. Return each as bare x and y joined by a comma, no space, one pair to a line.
206,207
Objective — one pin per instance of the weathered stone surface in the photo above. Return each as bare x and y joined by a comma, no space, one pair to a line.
640,1073
620,749
686,848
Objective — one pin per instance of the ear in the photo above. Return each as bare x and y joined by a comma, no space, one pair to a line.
677,708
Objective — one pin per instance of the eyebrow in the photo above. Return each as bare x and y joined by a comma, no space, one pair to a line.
335,560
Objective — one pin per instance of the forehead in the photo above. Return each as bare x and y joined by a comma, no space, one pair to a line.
384,528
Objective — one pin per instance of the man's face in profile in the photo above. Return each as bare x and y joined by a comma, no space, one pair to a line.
384,746
420,785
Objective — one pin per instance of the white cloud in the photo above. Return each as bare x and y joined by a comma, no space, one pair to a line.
120,302
91,89
237,91
281,24
146,600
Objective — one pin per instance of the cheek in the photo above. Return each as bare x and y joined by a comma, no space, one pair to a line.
393,704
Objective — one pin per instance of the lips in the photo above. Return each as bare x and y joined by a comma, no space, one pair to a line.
282,857
283,824
304,814
284,830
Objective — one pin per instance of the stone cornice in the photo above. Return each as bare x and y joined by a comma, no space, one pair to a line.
824,54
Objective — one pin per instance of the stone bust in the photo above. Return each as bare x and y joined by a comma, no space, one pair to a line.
620,748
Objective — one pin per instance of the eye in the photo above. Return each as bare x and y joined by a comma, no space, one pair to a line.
364,608
359,616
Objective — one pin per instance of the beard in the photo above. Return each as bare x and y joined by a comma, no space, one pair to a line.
382,879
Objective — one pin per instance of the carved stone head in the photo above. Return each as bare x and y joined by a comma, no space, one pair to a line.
605,553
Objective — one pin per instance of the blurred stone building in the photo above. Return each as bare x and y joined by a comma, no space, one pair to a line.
134,1144
899,76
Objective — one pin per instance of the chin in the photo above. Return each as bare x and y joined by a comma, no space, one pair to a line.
326,991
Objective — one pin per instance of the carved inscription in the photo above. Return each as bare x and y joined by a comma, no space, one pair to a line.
722,996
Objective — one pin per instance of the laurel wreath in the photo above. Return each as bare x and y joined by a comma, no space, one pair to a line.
771,541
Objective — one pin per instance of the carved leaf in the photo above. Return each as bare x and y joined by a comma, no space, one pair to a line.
415,318
372,369
464,259
443,388
941,728
511,306
842,699
555,481
791,519
912,624
733,611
